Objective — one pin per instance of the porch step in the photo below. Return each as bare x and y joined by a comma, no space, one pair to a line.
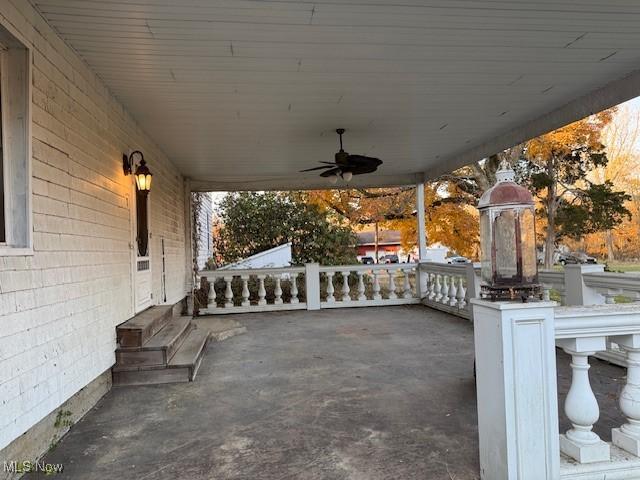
136,331
182,366
159,349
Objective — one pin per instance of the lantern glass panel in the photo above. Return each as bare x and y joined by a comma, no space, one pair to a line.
528,239
485,246
506,255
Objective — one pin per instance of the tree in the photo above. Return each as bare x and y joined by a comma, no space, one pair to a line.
556,168
448,221
250,223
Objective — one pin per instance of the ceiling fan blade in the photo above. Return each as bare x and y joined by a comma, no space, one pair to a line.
333,171
317,168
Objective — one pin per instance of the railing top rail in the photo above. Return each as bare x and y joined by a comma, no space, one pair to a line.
619,281
365,268
435,267
250,271
597,321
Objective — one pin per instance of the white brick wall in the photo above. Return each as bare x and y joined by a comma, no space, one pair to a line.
59,307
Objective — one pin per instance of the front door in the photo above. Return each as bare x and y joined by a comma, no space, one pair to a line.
142,257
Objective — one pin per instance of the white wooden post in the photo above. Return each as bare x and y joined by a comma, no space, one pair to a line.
581,405
312,285
577,293
627,437
421,277
516,390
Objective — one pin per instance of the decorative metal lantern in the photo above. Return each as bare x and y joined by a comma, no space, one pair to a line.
508,240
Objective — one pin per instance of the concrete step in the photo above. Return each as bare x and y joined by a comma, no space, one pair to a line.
182,367
159,349
191,352
136,331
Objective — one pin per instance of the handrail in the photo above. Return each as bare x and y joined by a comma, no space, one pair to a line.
250,271
615,281
436,267
597,321
366,268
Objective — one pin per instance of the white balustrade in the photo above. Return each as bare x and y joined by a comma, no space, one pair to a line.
583,332
375,285
447,287
249,290
552,280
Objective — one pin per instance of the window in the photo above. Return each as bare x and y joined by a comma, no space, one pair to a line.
15,145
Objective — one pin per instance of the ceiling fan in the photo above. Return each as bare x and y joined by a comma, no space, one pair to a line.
346,165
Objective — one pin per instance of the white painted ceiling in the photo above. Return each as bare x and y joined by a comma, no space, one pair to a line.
243,94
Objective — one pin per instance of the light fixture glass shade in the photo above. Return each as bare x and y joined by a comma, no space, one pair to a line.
332,179
143,177
347,176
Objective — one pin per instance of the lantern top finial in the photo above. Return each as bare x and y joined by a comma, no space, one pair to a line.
505,173
506,191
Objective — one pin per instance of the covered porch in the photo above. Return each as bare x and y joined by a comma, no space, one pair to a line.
358,393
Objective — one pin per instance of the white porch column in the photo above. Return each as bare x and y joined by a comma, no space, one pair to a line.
421,277
312,285
420,218
516,390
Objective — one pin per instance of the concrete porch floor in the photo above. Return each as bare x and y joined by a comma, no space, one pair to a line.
358,394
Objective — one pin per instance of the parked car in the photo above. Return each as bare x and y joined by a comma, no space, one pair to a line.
367,260
389,259
584,258
458,260
574,258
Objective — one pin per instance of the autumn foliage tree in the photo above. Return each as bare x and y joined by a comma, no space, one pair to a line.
556,167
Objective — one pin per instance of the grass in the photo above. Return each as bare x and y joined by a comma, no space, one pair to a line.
624,267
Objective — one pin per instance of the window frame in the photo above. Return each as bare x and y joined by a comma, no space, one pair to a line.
16,57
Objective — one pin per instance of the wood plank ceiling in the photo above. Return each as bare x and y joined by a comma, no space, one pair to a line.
242,94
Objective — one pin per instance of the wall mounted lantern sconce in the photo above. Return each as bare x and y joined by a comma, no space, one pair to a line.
142,173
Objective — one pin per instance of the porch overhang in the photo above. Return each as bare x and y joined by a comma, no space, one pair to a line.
243,95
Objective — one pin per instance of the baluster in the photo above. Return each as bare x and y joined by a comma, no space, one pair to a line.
431,286
376,286
262,293
627,437
361,295
330,289
453,291
437,289
444,289
392,284
406,287
581,408
546,291
345,287
245,291
610,297
294,288
228,293
460,294
211,300
278,290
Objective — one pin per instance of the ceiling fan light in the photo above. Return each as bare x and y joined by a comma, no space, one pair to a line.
333,179
347,176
